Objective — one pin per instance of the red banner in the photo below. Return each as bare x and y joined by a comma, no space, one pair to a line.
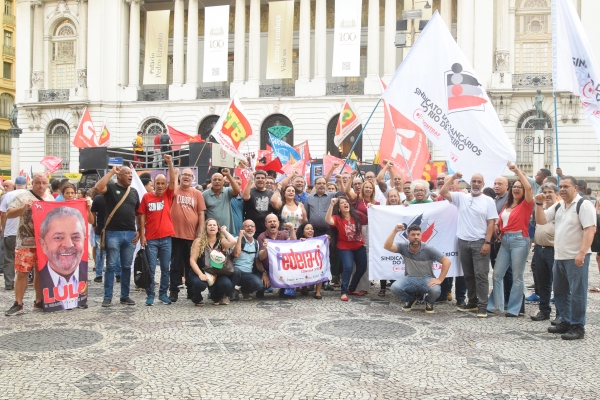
52,164
244,174
299,167
86,134
180,138
328,163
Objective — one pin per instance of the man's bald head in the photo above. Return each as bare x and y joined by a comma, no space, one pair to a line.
500,186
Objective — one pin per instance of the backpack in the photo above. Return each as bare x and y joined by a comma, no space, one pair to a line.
134,143
165,139
596,242
141,270
244,241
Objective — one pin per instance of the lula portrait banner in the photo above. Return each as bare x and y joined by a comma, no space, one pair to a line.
279,45
157,47
297,263
438,222
62,251
346,38
216,43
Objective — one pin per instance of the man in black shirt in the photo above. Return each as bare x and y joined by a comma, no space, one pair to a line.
120,232
99,210
257,201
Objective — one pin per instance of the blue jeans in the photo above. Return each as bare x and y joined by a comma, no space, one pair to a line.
349,258
100,256
196,287
508,279
249,281
514,250
119,252
570,290
544,262
160,248
222,287
409,288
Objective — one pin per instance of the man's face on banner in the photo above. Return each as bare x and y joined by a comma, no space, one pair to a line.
64,244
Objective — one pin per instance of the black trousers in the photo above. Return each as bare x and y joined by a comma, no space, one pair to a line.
180,262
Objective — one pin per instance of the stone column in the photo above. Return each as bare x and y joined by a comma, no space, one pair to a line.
303,82
252,87
501,77
15,159
389,47
372,85
131,91
175,92
446,13
239,49
37,73
319,87
82,44
191,80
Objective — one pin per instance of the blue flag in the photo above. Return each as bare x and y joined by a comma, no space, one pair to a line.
283,150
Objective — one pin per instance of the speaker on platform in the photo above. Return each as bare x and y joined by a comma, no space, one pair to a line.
199,154
93,158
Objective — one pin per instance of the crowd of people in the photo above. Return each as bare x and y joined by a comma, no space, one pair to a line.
189,230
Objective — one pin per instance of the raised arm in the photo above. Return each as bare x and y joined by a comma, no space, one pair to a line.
381,174
249,185
540,215
237,250
228,240
445,190
235,188
389,242
101,184
524,181
350,193
328,217
330,172
276,202
172,173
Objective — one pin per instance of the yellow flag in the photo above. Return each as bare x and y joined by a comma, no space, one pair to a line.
376,160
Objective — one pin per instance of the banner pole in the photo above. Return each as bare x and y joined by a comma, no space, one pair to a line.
556,133
359,135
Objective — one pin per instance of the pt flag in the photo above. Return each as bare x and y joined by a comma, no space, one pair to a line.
348,121
86,134
436,89
104,139
574,67
232,128
438,222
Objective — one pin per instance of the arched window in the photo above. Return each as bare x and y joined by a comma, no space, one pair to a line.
343,150
151,127
5,142
58,142
276,124
533,37
524,141
64,51
206,127
6,104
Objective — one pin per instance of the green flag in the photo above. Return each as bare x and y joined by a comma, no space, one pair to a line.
279,131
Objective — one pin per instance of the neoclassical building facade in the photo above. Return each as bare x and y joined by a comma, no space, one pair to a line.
74,54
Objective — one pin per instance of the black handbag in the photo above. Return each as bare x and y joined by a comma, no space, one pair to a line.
141,270
227,266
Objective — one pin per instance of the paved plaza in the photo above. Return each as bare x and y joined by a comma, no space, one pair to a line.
302,348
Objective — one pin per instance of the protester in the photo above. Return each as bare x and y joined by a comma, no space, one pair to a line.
9,229
272,232
165,143
68,192
350,243
395,181
156,229
419,189
213,238
379,187
575,229
408,195
419,278
393,198
290,209
299,185
62,184
187,214
99,210
257,201
246,264
270,183
476,217
543,253
512,227
306,231
156,162
332,187
81,193
218,199
138,150
501,194
55,187
122,201
237,207
25,249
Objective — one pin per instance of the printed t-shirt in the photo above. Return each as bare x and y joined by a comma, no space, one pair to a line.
281,235
25,231
257,208
518,219
185,212
124,218
348,238
419,264
157,210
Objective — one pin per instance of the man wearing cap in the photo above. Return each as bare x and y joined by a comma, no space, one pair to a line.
9,228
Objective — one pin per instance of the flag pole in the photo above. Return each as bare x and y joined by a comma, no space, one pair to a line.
556,134
359,135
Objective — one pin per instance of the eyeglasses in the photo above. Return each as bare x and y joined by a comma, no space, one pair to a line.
419,190
249,226
518,187
188,175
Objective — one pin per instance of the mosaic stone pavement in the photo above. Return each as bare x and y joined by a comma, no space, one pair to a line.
301,348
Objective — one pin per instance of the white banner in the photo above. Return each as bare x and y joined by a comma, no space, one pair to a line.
436,89
279,43
574,67
438,222
297,263
157,47
216,44
346,38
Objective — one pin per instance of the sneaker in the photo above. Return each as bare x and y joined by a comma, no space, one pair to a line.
98,279
555,321
540,316
482,312
260,294
428,308
164,299
173,296
467,307
39,306
532,298
269,290
9,287
576,332
408,305
16,309
224,301
127,301
106,303
563,327
118,279
150,300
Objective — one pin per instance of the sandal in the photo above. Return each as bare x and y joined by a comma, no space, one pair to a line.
201,304
317,296
356,293
344,298
381,293
595,289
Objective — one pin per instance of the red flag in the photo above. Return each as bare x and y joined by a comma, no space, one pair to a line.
104,140
266,154
303,150
52,164
274,165
244,174
299,167
180,138
401,137
86,134
328,163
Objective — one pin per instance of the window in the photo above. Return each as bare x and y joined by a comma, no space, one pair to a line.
343,150
5,142
272,121
533,38
8,7
58,143
7,70
150,128
63,56
8,38
206,127
6,104
525,143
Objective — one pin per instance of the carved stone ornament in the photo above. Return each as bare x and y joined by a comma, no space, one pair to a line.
37,79
62,8
36,3
76,112
34,117
82,78
502,60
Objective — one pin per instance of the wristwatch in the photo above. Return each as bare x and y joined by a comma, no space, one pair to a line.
486,242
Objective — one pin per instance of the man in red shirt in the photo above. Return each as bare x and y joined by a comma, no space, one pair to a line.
156,151
157,228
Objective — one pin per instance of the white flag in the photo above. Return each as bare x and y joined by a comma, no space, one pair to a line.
574,68
232,128
436,89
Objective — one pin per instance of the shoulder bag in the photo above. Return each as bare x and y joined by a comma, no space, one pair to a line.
103,240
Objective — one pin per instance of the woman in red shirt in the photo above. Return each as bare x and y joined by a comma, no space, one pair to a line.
350,243
513,228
